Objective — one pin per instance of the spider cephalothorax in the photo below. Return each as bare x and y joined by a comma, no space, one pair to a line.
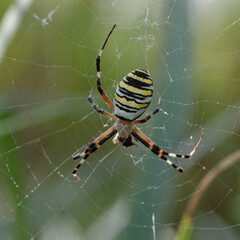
124,129
132,97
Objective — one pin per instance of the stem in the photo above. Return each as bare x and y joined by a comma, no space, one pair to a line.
207,180
184,230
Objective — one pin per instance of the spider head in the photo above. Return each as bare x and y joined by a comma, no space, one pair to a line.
124,136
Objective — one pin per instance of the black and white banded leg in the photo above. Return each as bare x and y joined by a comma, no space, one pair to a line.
93,146
160,152
99,110
150,115
98,60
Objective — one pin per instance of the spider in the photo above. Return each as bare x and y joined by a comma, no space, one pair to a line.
132,97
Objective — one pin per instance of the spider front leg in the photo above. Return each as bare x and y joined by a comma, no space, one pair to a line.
150,115
99,110
98,60
92,147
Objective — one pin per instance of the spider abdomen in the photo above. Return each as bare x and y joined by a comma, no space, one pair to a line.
133,95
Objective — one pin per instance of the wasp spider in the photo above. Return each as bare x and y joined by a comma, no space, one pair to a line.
132,97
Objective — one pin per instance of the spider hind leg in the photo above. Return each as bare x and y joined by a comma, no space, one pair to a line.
83,150
91,147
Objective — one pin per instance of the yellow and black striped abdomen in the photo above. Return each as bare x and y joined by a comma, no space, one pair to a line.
133,95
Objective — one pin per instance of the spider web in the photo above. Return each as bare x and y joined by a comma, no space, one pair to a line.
47,68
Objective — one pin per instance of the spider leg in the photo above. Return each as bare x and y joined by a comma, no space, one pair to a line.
150,115
153,147
92,147
175,154
98,109
160,152
103,94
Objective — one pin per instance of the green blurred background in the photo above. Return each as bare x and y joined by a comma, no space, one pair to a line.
47,68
